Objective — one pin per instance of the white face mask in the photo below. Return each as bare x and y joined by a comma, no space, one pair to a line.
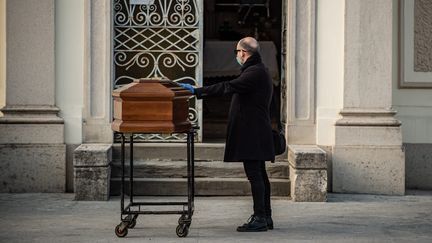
239,61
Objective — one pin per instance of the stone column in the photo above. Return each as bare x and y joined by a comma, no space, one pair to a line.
368,155
32,149
97,133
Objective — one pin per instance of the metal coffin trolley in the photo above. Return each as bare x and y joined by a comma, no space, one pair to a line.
153,106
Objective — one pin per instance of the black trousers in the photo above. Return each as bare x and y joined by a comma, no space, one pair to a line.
260,186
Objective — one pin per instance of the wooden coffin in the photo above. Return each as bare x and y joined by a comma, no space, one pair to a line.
151,106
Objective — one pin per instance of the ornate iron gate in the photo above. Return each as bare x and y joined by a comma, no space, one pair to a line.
159,39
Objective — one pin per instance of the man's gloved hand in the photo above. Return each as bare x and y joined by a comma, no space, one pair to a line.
188,87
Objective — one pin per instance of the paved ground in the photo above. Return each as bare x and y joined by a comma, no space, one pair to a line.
345,218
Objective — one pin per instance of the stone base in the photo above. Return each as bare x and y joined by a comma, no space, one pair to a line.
308,173
92,183
31,133
92,171
32,168
308,185
369,169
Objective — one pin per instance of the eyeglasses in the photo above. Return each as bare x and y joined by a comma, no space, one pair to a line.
237,50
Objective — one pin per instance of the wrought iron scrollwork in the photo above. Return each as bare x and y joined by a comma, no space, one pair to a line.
157,40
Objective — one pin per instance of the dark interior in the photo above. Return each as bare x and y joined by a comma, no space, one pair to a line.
231,20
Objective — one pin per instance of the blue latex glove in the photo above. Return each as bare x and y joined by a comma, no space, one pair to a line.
188,87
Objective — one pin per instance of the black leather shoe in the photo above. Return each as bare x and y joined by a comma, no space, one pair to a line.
254,224
269,222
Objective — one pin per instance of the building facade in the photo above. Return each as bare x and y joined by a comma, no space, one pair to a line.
355,79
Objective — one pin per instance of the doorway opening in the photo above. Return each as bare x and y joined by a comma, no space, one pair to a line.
225,23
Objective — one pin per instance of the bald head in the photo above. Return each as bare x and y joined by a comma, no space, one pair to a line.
249,44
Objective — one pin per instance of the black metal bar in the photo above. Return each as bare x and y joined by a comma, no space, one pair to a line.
189,171
131,157
127,208
192,180
193,168
158,203
155,212
123,169
241,4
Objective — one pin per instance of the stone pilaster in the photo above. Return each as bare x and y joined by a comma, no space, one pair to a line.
368,155
2,52
300,67
97,83
32,149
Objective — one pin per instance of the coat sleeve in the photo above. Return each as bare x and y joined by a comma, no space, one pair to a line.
243,84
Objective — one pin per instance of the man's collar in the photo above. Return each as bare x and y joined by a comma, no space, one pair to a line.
252,60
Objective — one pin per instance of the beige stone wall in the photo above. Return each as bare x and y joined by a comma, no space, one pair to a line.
2,52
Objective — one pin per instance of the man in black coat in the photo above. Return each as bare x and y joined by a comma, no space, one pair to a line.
249,133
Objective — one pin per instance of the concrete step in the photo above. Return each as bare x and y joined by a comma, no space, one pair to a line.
160,169
203,187
176,151
212,169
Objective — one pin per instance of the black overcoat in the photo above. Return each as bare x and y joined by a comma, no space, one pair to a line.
249,132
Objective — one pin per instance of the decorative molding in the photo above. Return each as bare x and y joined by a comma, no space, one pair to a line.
368,117
25,114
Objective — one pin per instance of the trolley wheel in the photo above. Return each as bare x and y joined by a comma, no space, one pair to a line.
132,224
119,232
182,230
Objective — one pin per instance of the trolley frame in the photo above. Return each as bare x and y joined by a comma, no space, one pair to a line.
130,212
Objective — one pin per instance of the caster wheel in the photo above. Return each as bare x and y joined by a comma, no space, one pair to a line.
132,224
182,230
119,232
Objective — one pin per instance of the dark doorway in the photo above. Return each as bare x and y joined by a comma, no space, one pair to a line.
225,22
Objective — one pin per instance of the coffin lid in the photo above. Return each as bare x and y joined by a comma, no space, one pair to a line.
151,87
